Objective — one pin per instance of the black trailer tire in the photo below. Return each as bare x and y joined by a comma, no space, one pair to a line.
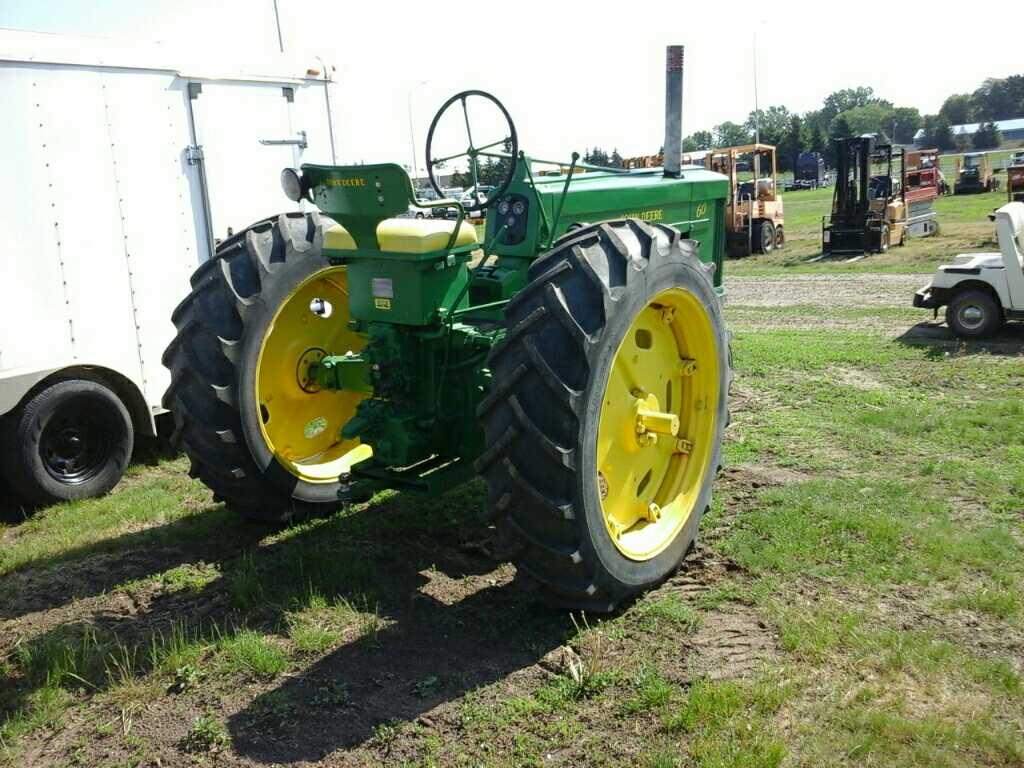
974,314
70,440
222,326
780,237
763,236
542,416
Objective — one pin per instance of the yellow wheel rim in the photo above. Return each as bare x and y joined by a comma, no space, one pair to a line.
656,435
300,423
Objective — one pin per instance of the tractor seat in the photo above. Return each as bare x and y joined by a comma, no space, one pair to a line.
414,236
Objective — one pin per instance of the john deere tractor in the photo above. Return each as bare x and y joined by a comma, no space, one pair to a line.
575,356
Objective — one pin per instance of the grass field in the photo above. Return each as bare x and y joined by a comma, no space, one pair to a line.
962,218
857,598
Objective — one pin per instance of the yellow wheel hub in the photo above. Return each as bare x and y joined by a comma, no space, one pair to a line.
656,435
300,422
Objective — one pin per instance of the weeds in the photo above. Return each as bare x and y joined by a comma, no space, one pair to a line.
206,735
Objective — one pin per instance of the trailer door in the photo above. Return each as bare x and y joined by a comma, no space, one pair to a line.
231,121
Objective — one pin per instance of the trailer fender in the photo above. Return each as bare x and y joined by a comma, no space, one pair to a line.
17,388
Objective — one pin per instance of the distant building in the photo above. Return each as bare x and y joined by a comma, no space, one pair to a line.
444,179
1012,130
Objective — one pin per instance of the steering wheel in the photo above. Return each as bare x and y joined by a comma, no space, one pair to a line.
510,142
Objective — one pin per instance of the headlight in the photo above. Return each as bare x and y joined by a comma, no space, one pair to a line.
291,183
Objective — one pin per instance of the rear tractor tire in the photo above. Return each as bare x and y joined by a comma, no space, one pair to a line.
604,424
259,434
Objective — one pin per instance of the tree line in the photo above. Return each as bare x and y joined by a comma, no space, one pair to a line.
856,111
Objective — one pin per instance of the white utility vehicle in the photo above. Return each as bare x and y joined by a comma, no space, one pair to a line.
981,291
123,165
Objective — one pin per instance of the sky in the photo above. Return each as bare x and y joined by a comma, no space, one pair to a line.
573,74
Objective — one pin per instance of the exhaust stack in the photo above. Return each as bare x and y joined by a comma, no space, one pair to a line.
673,110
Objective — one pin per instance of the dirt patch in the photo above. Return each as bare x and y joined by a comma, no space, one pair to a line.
841,290
733,643
855,378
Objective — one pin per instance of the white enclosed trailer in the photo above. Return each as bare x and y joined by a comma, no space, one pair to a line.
122,166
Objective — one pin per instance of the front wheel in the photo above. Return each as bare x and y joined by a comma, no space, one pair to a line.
973,314
763,236
604,425
71,440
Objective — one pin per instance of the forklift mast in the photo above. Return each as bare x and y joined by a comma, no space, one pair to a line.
853,172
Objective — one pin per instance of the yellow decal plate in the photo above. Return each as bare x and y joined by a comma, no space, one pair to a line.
657,214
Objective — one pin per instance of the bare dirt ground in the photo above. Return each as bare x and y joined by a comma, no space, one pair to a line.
840,290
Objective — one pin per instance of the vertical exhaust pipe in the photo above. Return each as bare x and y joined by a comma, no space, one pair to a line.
673,110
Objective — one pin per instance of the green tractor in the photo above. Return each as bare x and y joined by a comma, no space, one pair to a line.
575,356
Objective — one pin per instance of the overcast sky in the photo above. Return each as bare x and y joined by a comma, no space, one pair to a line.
573,74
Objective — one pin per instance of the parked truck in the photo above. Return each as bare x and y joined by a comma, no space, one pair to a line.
808,172
123,166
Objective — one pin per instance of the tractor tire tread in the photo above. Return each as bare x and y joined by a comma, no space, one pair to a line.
532,417
202,360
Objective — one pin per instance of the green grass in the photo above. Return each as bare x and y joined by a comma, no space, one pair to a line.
885,565
963,219
251,653
729,724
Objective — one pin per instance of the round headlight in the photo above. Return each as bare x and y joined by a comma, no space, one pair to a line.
291,183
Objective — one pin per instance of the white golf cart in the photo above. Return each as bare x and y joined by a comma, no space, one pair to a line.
981,291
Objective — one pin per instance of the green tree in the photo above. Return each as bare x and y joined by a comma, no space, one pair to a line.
869,118
729,134
773,124
596,156
846,99
999,99
907,121
987,136
698,140
942,136
615,161
794,142
817,141
957,109
840,129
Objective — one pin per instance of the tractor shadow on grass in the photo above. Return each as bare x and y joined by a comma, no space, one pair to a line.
448,618
432,653
51,581
939,341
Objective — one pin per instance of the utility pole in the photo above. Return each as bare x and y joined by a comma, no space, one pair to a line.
277,21
412,133
757,109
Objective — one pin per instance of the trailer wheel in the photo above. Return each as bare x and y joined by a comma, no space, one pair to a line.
604,423
71,440
972,314
258,435
780,237
763,236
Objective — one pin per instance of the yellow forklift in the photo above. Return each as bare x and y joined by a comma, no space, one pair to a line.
754,215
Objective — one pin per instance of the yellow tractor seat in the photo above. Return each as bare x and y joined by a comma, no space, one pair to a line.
416,236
